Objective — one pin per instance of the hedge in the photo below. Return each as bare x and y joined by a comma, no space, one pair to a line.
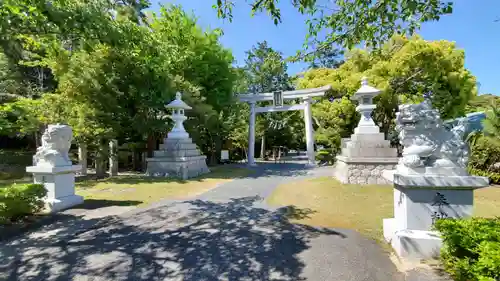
494,177
20,200
471,248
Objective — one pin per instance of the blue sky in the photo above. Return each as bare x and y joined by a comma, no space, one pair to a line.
471,26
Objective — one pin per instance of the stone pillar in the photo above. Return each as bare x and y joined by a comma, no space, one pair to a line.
311,157
82,158
251,135
113,158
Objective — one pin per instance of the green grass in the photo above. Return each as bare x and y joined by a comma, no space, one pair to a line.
142,190
146,190
361,208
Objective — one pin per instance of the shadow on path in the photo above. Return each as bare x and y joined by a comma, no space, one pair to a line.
196,240
282,170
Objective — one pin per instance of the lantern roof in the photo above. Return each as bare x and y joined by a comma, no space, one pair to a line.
365,90
178,103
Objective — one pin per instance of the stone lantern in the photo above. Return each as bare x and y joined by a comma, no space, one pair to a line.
365,96
178,156
178,106
367,153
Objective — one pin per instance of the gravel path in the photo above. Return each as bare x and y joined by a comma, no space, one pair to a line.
225,234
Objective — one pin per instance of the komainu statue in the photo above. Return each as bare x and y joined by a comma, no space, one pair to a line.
426,141
56,142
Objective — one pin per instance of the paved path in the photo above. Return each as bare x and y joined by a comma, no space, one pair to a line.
225,234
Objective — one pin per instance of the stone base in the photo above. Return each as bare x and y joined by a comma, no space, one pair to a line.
58,204
60,185
165,167
412,244
362,170
178,158
419,201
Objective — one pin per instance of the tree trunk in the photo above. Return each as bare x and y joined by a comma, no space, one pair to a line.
82,158
136,159
100,162
37,139
216,152
151,145
263,147
143,161
113,158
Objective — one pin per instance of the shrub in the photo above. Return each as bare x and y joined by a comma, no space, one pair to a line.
484,152
326,156
20,200
494,177
471,248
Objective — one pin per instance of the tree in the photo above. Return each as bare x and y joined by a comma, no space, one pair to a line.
491,124
327,57
404,69
203,68
266,71
349,23
335,120
482,102
114,73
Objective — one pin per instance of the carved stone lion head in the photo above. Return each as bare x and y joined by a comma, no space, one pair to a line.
56,142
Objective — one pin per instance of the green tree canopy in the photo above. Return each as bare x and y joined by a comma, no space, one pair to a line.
482,103
114,69
404,69
349,23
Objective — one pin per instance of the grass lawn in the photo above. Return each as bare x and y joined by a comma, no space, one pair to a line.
139,190
361,208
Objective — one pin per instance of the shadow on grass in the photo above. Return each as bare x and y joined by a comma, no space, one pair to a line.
219,172
295,213
224,172
92,204
192,241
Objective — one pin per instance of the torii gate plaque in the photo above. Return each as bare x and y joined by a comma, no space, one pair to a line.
277,98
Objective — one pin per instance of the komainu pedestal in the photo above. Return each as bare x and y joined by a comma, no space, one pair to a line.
367,153
430,182
179,158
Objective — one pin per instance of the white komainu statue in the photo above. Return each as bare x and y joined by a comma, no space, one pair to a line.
56,142
426,142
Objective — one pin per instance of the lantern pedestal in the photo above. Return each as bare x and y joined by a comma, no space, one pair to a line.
179,158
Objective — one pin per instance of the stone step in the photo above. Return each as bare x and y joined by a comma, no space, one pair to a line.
168,140
360,152
176,153
176,159
368,145
368,137
177,146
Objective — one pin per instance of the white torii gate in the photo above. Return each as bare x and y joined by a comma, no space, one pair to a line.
278,98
